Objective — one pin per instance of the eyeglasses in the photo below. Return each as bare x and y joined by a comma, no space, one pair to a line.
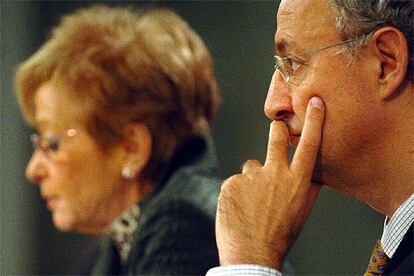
286,66
50,144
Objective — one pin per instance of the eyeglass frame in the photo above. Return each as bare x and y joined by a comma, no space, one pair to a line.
44,144
280,61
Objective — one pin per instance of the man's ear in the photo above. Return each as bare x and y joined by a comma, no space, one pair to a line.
390,47
138,147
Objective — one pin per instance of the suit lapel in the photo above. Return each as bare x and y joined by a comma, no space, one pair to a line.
402,261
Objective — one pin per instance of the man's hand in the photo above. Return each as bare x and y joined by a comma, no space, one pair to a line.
262,210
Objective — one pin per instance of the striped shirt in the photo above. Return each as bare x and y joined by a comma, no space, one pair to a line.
243,269
397,226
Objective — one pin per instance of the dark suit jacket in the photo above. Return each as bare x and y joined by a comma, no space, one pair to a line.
403,259
175,233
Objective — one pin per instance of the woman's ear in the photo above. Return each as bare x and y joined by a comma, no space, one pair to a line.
138,148
390,48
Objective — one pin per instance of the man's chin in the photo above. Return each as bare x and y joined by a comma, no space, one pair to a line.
317,172
317,181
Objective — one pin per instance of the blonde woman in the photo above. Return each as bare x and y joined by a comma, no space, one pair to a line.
121,100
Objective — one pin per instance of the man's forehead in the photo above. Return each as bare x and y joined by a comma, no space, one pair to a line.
300,21
305,8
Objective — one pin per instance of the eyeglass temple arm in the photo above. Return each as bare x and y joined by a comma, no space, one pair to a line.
333,45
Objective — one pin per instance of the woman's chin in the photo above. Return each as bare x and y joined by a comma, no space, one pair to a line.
62,221
66,223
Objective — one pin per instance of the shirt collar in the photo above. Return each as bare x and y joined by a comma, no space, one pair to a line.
122,229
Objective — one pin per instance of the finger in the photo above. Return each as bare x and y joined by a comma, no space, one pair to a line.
251,165
303,161
277,148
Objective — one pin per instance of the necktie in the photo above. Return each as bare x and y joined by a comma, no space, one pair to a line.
378,261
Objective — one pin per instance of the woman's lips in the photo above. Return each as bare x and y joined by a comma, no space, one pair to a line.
51,202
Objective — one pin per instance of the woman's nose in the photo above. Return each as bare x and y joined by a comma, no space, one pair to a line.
278,103
36,170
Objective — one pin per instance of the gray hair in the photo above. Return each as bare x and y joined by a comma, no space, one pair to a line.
360,17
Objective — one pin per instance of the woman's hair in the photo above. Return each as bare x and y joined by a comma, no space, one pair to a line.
358,17
128,65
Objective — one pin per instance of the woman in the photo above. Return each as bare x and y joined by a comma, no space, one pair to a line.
122,100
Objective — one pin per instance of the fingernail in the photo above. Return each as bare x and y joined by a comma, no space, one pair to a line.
316,102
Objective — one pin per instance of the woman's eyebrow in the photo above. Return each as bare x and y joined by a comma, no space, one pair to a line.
40,124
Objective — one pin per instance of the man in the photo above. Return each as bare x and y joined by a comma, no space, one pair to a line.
343,93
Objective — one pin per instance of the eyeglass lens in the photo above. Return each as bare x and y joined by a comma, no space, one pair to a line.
283,65
46,144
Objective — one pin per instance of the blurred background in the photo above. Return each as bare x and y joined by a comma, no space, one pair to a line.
338,238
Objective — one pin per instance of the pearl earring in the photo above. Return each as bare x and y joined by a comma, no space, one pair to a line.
127,173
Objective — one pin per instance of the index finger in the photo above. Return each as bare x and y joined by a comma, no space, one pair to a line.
303,161
277,148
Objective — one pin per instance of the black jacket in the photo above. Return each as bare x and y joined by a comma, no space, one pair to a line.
402,261
175,232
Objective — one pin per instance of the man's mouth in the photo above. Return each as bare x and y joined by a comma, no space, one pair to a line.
294,139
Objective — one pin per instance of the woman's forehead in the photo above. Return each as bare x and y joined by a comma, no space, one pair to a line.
55,105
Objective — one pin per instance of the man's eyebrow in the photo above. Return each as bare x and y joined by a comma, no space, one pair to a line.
284,45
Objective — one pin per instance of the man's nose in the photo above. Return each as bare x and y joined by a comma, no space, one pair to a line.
278,103
36,170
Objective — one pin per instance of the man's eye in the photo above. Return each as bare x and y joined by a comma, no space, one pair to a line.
53,143
294,64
